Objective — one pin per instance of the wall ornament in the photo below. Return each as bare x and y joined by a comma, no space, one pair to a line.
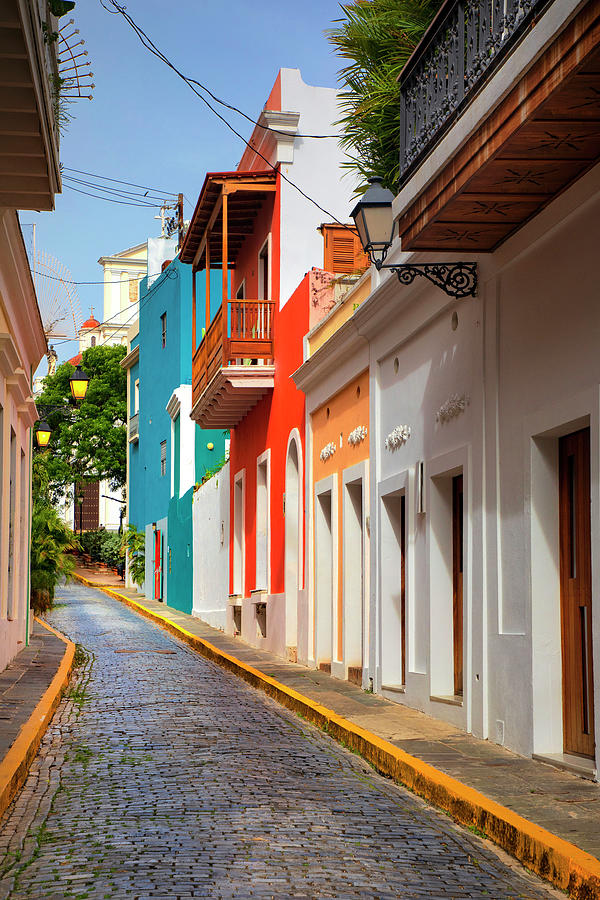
397,438
453,407
327,452
357,435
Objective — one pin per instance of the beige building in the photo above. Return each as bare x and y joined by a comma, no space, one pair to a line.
30,178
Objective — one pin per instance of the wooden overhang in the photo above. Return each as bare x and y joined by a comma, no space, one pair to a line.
245,192
231,394
29,139
541,138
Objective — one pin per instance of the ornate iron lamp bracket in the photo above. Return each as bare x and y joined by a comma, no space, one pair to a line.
455,279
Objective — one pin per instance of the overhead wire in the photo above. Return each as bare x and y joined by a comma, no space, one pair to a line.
119,192
114,200
224,103
141,303
152,48
119,180
67,281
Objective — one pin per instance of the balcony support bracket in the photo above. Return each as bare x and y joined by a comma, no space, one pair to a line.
457,279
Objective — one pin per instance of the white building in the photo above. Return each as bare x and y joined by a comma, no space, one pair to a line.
484,423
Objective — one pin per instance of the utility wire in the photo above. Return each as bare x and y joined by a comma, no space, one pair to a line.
114,200
66,280
119,181
170,275
119,192
224,103
152,48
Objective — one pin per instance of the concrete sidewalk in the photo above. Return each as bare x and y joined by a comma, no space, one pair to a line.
31,687
477,782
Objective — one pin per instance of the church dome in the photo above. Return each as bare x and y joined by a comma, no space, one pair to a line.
91,323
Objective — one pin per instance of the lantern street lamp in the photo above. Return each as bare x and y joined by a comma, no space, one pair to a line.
79,381
80,499
374,220
43,434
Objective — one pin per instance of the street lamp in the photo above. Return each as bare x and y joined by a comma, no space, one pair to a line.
374,220
79,383
43,434
79,499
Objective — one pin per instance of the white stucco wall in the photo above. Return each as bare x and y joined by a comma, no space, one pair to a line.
316,168
523,355
210,517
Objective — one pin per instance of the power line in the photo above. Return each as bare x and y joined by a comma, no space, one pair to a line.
66,280
141,303
118,180
113,200
120,10
119,192
152,48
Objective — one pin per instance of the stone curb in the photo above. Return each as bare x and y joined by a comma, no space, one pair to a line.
15,765
558,861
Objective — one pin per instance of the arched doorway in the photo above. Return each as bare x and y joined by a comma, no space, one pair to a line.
293,537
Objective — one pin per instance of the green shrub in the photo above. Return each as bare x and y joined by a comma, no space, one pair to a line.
51,544
134,542
103,546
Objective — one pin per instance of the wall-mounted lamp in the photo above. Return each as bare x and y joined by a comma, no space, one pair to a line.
374,220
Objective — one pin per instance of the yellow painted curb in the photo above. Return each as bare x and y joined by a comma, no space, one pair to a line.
15,765
555,859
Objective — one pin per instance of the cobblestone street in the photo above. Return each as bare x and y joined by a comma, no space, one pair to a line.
163,776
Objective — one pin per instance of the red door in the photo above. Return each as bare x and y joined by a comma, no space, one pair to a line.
157,565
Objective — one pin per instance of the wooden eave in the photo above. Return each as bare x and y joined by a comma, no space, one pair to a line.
540,139
29,164
246,193
231,394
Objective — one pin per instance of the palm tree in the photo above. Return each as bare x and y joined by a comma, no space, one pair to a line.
376,37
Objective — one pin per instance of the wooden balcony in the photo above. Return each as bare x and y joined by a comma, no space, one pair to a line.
233,366
500,113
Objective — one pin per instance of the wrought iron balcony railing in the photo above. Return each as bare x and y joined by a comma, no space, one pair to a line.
464,43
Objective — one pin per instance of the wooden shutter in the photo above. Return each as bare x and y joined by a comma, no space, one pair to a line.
343,253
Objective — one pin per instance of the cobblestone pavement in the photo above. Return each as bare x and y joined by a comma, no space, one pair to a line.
164,776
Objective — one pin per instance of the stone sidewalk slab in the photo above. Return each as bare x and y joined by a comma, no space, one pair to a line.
546,817
30,689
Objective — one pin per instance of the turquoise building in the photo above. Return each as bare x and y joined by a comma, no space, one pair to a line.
167,452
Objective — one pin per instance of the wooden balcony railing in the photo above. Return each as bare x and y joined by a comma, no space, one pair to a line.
246,335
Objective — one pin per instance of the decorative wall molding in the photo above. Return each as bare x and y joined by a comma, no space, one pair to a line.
454,406
327,452
357,435
397,438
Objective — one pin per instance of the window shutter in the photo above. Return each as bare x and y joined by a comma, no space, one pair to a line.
163,457
343,251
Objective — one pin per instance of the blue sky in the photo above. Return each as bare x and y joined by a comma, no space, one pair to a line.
145,125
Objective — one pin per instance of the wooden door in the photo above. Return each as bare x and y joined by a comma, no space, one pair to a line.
457,581
157,565
576,593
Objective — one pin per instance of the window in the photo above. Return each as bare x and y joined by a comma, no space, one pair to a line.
163,326
263,272
240,294
136,396
93,341
163,458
